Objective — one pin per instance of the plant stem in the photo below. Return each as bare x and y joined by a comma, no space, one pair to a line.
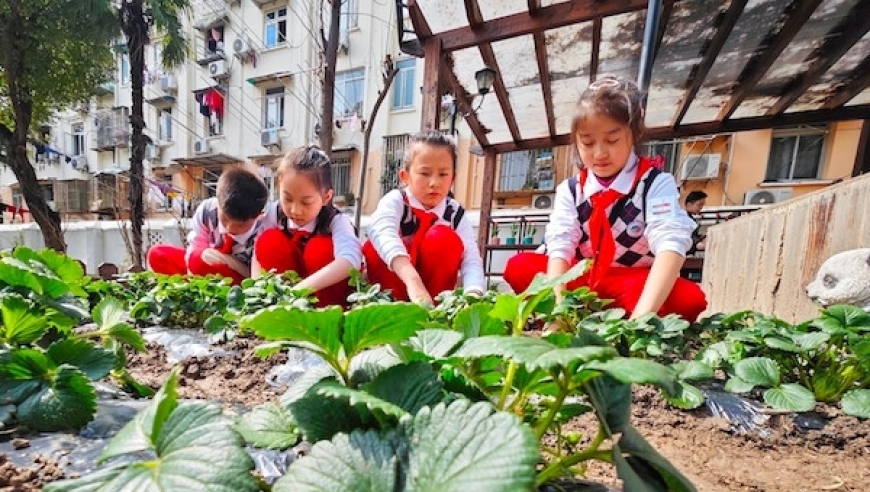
508,383
592,452
554,409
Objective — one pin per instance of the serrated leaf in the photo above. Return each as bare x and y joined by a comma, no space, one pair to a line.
268,426
532,352
541,283
857,403
66,402
361,461
141,433
332,389
320,327
298,388
21,325
467,446
125,334
52,285
319,417
66,268
759,371
475,321
109,312
790,396
782,344
196,450
738,386
693,371
656,471
811,341
433,343
687,398
638,371
17,274
380,324
22,372
506,307
843,317
408,386
95,362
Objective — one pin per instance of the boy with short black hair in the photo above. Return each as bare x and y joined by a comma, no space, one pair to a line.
694,202
225,228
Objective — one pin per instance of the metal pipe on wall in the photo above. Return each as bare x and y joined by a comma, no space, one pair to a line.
647,53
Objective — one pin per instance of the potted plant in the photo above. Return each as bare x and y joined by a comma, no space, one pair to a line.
530,235
512,239
493,234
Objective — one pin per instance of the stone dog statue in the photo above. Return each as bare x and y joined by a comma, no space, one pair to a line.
844,278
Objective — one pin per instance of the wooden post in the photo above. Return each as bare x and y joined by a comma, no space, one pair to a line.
431,85
486,199
862,157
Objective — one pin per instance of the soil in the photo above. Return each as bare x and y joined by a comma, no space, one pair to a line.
702,447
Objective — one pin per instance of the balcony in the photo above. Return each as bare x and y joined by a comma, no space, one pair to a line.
112,127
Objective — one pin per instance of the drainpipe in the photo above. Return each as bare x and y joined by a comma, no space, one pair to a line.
647,53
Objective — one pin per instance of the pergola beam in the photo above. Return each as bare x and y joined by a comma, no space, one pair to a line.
855,26
488,55
761,62
546,88
700,73
596,47
858,81
523,23
463,103
472,12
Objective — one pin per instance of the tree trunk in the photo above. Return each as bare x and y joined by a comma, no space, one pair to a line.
135,28
389,75
14,45
330,55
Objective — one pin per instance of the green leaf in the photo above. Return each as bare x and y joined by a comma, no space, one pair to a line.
687,398
380,324
140,434
21,325
469,447
506,308
357,398
361,461
23,372
66,268
656,469
94,361
843,317
638,371
66,402
541,283
435,344
636,477
298,388
125,334
6,413
782,344
320,417
758,371
52,285
320,327
109,312
532,352
17,274
408,386
475,321
792,397
857,403
693,371
268,426
196,449
811,341
737,385
612,402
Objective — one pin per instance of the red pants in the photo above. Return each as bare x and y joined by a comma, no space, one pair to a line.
276,250
169,260
437,262
622,284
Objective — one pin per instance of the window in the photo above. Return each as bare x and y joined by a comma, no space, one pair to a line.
164,129
124,69
341,173
209,182
276,28
394,152
274,108
348,19
214,41
403,86
527,170
77,196
796,154
157,62
668,149
349,93
78,139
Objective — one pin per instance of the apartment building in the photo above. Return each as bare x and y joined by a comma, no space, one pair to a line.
250,90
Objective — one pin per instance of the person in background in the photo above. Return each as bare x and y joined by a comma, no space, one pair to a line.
420,240
312,237
694,202
225,228
620,211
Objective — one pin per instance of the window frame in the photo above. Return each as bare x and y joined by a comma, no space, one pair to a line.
341,173
671,161
797,134
274,19
270,94
406,97
349,17
124,69
77,131
344,78
164,125
507,184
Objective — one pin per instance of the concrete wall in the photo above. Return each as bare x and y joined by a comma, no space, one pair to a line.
764,260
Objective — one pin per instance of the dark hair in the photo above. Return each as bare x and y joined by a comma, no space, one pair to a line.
435,139
616,97
313,163
695,196
241,194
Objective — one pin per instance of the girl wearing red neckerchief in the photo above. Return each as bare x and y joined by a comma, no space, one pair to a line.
620,211
313,238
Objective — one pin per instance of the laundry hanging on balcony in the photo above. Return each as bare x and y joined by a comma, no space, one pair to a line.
211,104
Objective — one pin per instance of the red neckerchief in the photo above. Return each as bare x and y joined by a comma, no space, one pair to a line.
600,235
226,246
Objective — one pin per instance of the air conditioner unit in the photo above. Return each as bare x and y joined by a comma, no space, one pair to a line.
168,83
704,166
152,151
200,146
269,137
241,47
79,162
766,197
543,200
218,69
344,45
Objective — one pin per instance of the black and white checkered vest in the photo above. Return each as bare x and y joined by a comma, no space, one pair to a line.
627,219
409,224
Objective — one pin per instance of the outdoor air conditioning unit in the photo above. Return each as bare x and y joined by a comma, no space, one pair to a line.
241,47
200,146
704,166
269,137
168,83
543,201
79,162
344,45
766,197
152,151
218,69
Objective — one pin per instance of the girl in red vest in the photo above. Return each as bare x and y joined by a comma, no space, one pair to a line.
312,238
420,241
620,211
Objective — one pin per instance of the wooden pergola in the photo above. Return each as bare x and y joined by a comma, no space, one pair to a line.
707,66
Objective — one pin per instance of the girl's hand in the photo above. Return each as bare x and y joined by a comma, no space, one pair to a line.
417,293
